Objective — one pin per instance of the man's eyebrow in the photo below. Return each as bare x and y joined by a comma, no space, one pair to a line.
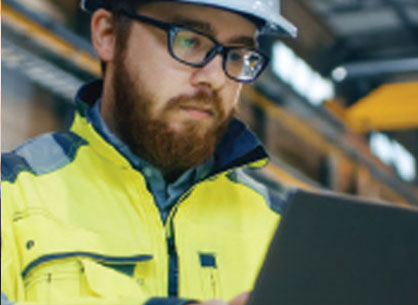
200,26
206,28
244,40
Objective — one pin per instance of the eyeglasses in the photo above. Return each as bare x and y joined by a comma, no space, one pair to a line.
196,49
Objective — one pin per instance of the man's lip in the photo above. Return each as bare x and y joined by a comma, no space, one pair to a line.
197,109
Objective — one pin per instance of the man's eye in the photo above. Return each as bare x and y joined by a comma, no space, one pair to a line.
235,56
188,42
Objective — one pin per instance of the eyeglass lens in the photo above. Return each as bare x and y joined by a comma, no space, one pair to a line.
193,48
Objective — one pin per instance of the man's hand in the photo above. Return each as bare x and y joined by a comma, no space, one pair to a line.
241,299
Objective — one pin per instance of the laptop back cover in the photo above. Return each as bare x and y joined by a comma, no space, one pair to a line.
334,250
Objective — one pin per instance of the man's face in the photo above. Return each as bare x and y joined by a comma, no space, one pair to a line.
171,114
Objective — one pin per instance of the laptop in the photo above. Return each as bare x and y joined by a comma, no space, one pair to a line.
340,250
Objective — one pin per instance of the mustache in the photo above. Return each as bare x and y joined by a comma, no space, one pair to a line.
210,102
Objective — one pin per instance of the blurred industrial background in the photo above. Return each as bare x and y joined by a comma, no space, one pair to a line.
337,110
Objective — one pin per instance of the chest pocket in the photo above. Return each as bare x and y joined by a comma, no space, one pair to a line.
62,263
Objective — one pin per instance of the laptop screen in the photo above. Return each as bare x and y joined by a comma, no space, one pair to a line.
332,249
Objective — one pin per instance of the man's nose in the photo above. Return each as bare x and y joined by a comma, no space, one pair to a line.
211,75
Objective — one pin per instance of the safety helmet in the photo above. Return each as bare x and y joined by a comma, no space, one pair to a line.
266,11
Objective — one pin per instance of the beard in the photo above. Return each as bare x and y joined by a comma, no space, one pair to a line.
153,139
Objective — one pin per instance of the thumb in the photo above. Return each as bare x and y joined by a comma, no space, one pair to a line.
241,299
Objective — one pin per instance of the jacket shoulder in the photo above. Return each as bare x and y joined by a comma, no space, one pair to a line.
41,155
250,178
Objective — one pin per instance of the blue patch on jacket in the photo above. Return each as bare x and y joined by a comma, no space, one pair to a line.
41,155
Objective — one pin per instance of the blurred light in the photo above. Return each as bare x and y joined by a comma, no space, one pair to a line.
300,76
381,146
339,74
40,71
320,89
283,61
405,163
394,154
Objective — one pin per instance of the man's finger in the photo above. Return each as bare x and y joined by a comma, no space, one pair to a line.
241,299
210,302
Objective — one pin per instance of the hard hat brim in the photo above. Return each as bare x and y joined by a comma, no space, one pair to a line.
272,22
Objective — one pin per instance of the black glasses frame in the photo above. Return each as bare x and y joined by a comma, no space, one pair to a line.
173,29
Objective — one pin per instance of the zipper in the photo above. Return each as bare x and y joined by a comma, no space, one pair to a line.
173,272
173,268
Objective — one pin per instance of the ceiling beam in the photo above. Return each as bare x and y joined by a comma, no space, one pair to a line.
314,33
376,67
404,17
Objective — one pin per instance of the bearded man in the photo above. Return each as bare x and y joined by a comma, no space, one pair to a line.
144,200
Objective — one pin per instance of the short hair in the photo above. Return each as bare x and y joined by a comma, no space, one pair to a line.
116,5
122,24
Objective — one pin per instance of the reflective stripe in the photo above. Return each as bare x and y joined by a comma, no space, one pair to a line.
12,165
41,155
46,258
5,300
241,177
277,202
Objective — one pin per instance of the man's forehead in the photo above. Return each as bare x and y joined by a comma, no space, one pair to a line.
207,28
206,19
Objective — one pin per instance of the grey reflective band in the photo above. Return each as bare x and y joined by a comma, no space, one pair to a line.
5,300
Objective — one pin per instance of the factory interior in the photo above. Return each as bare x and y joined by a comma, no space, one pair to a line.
337,109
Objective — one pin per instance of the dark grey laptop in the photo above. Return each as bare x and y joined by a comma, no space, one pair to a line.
338,250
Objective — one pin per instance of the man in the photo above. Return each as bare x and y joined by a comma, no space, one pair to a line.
144,200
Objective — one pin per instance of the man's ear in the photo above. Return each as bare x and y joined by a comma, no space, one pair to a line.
103,34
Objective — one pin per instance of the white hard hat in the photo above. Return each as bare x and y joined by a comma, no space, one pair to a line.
267,11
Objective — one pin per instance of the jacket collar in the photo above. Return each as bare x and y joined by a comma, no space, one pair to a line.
238,148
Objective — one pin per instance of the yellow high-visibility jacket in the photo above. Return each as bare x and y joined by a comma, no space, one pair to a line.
79,226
